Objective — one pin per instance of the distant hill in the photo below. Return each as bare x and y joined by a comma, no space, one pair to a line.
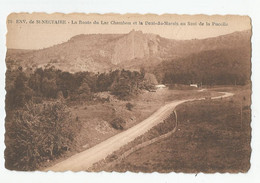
104,52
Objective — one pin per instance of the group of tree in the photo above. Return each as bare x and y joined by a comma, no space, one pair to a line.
212,67
38,133
39,127
51,83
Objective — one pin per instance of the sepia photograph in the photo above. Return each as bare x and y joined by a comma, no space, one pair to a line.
117,93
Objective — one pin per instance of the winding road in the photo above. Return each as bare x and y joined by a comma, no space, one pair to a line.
84,160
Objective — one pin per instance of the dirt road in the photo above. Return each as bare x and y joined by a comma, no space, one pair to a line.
84,160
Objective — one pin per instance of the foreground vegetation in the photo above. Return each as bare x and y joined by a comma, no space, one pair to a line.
39,124
38,133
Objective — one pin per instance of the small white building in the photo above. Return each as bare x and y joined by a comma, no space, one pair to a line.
194,85
160,86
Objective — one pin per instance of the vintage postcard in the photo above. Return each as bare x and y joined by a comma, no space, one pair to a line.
139,93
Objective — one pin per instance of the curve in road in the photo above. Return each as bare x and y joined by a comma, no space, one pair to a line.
84,160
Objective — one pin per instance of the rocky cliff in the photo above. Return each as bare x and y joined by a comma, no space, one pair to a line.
102,52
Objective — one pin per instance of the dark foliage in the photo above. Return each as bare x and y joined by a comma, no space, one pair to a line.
213,67
118,123
37,133
17,90
50,83
127,84
38,125
129,106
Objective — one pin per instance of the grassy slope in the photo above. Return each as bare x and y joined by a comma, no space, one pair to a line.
210,138
95,117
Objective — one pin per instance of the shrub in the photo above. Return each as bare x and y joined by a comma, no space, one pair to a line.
37,133
118,123
129,106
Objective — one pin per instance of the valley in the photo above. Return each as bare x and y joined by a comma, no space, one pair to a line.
94,97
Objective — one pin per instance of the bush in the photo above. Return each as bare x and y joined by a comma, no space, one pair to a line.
122,90
37,133
129,106
118,123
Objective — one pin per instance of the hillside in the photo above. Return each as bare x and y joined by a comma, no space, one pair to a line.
219,66
103,52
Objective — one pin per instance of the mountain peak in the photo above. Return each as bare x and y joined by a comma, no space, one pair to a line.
133,31
134,45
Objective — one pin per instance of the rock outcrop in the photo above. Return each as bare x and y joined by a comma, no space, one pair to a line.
103,52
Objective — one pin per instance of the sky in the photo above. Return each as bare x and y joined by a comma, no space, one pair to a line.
30,31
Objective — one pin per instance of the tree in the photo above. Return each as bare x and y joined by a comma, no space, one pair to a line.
122,89
49,88
84,91
142,71
37,133
18,93
103,82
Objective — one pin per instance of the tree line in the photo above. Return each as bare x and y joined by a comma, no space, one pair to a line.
212,67
51,83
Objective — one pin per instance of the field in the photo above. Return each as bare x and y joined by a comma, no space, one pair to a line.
212,136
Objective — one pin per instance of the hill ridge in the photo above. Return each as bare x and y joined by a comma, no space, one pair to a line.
102,52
